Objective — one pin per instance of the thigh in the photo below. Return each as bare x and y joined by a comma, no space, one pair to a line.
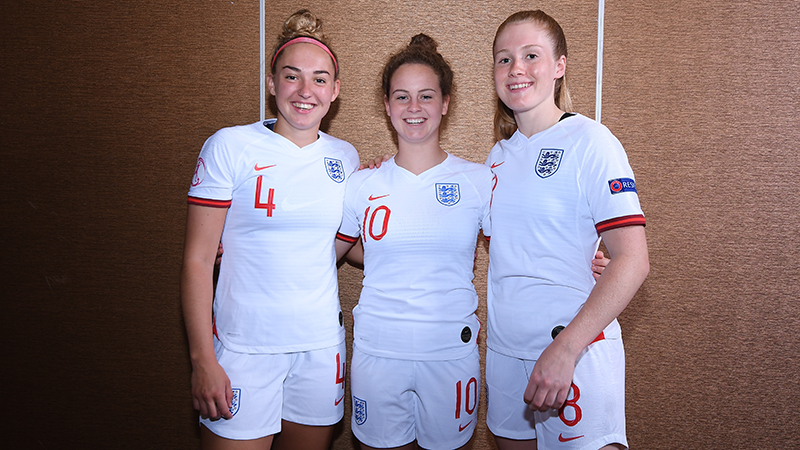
383,400
313,392
594,415
256,380
507,414
447,395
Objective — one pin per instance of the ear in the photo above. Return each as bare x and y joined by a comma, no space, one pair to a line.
386,104
561,66
336,85
271,84
445,104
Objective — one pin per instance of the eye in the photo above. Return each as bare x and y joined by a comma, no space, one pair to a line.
321,81
291,77
531,56
401,98
503,61
427,97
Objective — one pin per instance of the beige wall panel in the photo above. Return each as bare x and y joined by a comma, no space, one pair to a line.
704,96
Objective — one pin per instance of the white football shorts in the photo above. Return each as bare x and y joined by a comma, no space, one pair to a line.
397,401
593,417
303,387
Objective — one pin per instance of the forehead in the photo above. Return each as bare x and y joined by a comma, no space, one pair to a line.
522,34
305,56
416,76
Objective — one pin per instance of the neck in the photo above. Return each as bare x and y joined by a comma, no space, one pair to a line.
300,138
417,158
535,121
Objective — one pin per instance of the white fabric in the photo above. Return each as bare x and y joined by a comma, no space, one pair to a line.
551,196
419,235
303,387
593,417
277,289
433,402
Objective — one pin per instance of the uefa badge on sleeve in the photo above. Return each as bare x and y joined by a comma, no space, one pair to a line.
237,393
335,169
359,410
549,161
448,194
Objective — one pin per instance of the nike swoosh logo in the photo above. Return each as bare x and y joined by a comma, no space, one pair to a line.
263,167
463,427
497,164
563,439
371,198
336,403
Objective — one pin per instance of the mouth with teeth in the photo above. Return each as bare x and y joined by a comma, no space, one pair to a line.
514,87
414,121
303,106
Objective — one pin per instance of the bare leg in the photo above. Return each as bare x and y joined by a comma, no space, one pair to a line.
294,436
409,446
210,441
512,444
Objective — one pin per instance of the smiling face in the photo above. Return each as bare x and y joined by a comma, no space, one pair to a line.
304,87
525,69
415,104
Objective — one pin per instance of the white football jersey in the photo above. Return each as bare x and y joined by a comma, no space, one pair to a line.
277,289
419,234
555,193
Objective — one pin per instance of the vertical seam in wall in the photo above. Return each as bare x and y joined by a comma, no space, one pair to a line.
262,66
598,99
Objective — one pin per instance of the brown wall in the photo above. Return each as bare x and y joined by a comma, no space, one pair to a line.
105,106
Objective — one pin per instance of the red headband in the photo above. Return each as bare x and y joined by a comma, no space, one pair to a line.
306,40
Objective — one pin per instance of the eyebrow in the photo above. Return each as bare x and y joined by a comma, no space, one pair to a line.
524,47
317,72
406,91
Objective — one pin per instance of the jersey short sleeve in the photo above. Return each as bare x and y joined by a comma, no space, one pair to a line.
608,181
213,179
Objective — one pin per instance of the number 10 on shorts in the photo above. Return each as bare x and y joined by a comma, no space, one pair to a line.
466,397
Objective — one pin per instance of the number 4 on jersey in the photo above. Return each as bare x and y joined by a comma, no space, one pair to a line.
270,204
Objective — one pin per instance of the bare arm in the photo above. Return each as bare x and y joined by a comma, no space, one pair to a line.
551,378
211,388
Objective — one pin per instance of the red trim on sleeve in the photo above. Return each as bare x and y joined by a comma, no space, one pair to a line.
207,202
346,238
619,222
488,238
599,337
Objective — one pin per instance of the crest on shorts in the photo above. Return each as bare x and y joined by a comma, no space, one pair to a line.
448,194
359,410
335,169
549,161
237,393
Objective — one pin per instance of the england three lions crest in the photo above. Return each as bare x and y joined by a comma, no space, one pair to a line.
335,169
448,193
237,394
549,161
359,410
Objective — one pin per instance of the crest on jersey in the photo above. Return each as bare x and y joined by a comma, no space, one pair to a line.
237,393
335,169
359,410
549,161
448,194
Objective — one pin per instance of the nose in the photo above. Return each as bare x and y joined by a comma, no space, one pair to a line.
413,105
515,69
304,90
